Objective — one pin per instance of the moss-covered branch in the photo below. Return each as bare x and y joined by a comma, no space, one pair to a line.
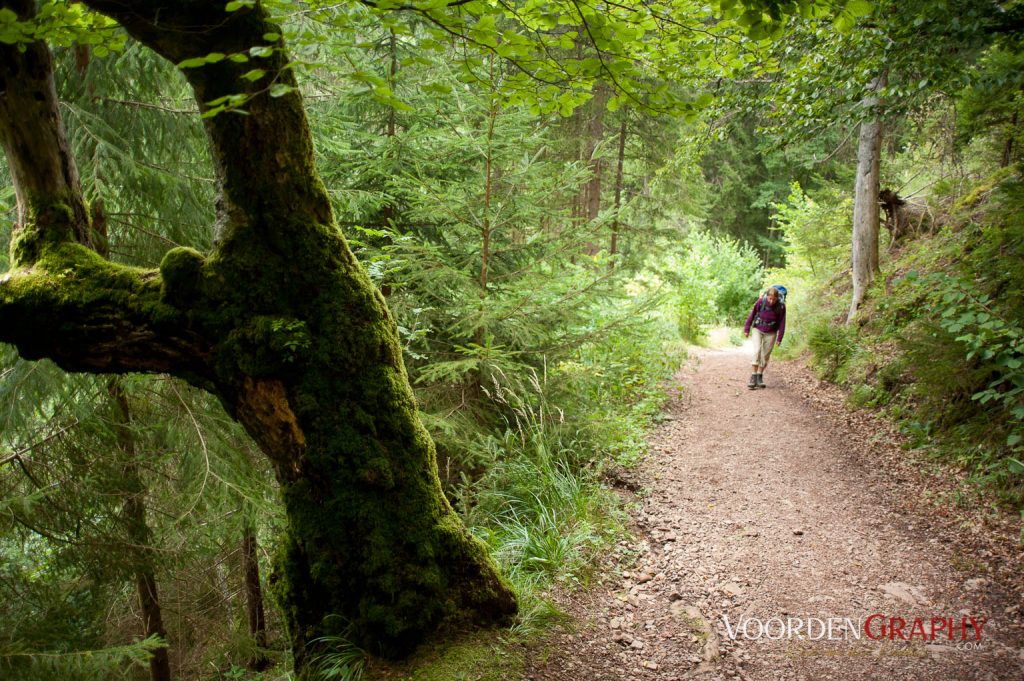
62,300
88,314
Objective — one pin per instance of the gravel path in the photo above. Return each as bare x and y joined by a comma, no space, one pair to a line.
780,509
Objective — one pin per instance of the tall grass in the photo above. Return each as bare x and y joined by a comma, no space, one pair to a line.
541,506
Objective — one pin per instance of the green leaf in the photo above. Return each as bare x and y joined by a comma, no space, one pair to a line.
280,89
254,75
192,63
844,22
437,88
859,8
210,113
749,18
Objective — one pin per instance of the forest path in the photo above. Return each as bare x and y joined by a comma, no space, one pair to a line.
779,503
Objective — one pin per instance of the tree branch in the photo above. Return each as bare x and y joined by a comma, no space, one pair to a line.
62,300
87,314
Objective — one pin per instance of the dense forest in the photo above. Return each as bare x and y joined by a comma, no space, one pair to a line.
327,326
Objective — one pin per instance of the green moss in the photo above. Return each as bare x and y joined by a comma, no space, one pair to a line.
478,656
30,241
985,187
181,271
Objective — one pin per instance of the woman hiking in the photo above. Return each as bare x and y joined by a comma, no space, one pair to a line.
768,319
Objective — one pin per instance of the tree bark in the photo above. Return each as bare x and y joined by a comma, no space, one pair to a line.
46,184
485,222
281,323
590,197
594,135
865,203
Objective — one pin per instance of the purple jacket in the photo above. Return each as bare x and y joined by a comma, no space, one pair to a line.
769,319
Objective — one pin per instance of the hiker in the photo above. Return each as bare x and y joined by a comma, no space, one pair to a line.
768,319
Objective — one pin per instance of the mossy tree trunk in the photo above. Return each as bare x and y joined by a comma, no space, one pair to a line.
280,322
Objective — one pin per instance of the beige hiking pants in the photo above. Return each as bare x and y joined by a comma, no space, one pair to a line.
763,345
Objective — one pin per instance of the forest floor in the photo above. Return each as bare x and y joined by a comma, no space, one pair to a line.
781,507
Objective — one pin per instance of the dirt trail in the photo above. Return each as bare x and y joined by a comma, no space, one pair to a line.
770,507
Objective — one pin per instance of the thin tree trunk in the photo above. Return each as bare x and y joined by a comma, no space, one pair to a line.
865,204
485,223
613,249
152,621
594,135
254,599
140,536
387,213
590,199
485,226
392,72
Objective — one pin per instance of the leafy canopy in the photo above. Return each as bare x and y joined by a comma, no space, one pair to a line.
556,51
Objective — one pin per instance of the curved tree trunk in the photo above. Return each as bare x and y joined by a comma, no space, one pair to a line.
865,202
284,326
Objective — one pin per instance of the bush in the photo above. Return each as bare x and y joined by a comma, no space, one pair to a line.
717,281
832,345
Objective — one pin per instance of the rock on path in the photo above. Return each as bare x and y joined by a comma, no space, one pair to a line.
776,508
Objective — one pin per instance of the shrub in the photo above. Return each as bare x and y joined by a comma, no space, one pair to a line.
832,345
718,278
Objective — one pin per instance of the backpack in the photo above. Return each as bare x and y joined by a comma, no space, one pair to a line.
782,292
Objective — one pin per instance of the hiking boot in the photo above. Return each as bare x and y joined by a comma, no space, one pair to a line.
759,380
752,383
